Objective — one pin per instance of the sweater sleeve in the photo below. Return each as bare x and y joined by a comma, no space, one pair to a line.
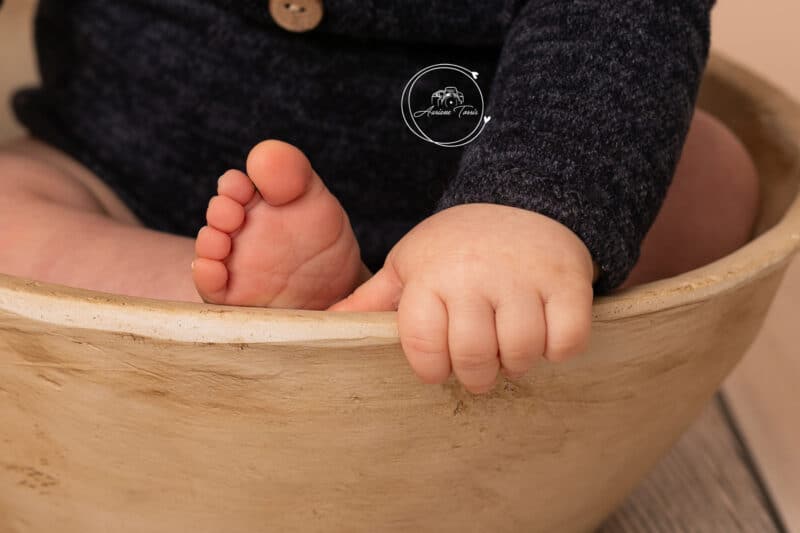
590,106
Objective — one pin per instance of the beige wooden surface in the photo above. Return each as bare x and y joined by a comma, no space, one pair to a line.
702,485
762,396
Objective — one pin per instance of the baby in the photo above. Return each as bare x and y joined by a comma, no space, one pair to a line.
491,253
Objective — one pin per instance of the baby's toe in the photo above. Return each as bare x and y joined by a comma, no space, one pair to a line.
212,243
210,279
280,172
236,185
225,214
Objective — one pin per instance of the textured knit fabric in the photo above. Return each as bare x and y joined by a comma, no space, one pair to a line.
591,101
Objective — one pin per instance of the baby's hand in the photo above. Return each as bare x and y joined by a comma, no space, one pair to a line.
481,288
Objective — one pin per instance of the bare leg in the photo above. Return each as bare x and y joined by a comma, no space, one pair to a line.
60,224
710,208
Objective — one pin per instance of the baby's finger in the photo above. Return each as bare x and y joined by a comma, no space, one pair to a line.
473,341
568,315
422,325
520,333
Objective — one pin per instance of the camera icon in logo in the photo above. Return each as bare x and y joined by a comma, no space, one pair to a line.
447,98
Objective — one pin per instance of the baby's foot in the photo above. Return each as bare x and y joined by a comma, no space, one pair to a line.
277,238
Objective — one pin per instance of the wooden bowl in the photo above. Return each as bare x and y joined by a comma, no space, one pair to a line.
124,414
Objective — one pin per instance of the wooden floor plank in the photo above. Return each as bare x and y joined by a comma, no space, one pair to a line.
703,485
763,395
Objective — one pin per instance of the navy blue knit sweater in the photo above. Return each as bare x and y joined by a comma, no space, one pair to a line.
591,102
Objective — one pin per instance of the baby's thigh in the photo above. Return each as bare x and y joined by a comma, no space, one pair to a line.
709,209
31,168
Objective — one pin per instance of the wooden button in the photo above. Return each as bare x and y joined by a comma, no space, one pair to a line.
296,15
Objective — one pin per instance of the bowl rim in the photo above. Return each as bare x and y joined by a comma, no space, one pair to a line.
195,322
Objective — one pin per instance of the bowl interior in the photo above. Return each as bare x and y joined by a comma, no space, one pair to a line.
757,118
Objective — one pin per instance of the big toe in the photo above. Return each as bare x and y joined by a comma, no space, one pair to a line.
281,172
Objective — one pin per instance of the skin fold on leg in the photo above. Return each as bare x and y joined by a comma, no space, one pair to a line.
60,224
